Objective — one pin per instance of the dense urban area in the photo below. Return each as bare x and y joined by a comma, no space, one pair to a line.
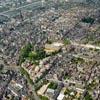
49,49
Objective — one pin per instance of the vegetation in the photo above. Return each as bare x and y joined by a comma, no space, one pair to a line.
90,38
1,67
67,91
25,73
34,56
66,41
52,85
43,97
91,86
41,76
35,62
25,52
54,53
97,50
37,55
49,41
88,20
88,97
40,84
66,77
97,42
40,54
77,60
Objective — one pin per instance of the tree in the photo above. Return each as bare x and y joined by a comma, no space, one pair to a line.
53,85
88,96
37,55
88,20
1,67
32,56
66,41
24,53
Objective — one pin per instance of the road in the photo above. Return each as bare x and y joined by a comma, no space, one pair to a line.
32,6
28,5
86,45
85,58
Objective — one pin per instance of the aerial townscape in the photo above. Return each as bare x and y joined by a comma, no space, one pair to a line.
49,49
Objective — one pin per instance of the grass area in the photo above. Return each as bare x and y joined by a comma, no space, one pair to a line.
43,97
53,85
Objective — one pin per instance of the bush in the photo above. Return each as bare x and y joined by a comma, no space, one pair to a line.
52,85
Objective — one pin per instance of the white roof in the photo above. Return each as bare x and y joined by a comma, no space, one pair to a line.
50,90
60,97
29,1
57,44
81,90
19,85
66,0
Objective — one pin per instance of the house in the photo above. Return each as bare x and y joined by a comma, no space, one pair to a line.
50,93
61,97
43,89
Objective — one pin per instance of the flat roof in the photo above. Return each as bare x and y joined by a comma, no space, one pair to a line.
60,97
